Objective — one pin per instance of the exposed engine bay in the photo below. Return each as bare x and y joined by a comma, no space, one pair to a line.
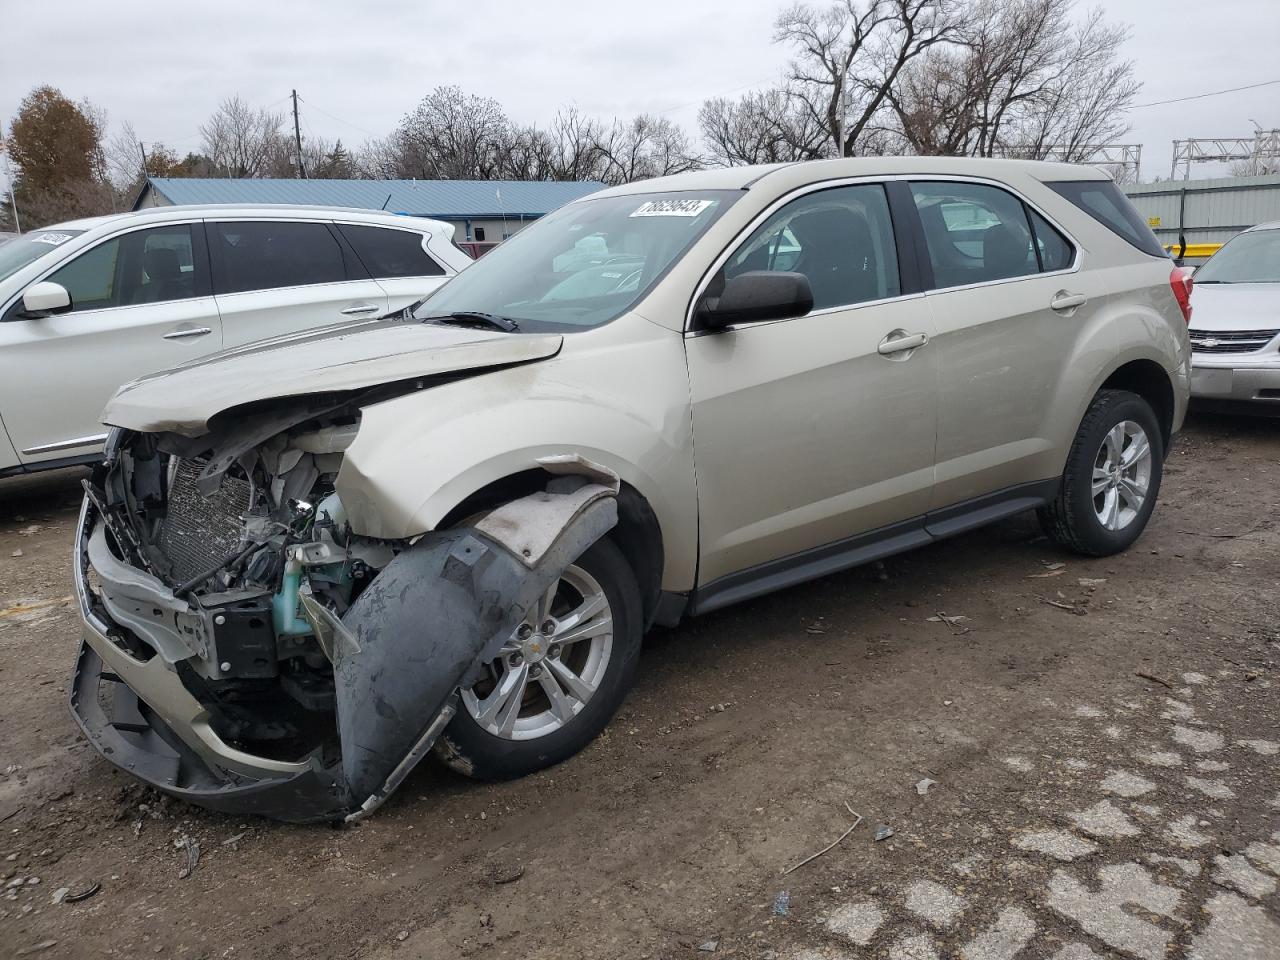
273,658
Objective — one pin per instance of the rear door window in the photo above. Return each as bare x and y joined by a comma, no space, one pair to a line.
975,233
388,253
1107,204
265,255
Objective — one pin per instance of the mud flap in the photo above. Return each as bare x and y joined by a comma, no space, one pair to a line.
434,615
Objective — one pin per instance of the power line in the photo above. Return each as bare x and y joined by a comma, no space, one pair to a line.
1202,96
339,119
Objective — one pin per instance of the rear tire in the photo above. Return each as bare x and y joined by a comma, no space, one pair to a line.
1112,477
495,744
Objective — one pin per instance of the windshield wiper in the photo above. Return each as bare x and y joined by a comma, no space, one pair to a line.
505,324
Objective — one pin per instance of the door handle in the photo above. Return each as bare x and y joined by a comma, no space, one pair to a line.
188,333
359,308
1067,301
899,340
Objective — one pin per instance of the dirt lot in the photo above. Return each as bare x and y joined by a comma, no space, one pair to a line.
1077,808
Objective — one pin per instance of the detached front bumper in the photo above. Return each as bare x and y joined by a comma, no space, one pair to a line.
1238,378
138,714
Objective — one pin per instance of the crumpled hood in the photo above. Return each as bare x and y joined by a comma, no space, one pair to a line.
1235,306
342,357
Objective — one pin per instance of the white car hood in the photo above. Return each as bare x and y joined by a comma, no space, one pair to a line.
343,357
1235,306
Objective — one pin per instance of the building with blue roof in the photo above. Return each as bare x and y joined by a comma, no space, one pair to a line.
480,210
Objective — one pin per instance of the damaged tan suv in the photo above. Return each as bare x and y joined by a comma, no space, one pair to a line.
308,562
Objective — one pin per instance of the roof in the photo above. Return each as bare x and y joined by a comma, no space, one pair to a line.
222,211
447,199
741,178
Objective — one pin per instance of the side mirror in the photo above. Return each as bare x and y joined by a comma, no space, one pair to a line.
44,299
757,296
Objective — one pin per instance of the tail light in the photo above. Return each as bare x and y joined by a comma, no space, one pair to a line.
1181,282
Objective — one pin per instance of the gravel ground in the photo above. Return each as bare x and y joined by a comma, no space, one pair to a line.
1081,760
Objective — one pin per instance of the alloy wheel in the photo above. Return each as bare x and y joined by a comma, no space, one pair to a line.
1121,475
551,665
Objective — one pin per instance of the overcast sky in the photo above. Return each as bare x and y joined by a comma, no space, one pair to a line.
359,67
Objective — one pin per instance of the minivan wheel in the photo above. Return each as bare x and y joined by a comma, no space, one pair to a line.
558,679
1112,478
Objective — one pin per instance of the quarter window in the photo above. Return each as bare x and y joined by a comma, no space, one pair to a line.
1104,201
391,253
145,266
264,254
841,239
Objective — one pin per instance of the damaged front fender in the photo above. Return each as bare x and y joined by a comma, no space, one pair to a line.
435,614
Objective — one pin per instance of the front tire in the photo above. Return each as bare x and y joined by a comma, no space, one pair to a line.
1112,477
558,680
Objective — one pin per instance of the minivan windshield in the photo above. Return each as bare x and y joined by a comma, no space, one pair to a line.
20,251
1252,257
583,265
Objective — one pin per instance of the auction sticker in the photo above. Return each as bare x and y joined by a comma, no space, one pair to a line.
53,239
671,208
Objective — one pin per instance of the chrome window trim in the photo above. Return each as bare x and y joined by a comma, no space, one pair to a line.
760,218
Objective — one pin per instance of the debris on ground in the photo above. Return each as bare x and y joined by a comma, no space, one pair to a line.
16,553
80,895
830,846
1153,678
782,904
500,873
1075,608
884,832
192,850
711,946
1091,581
923,786
955,622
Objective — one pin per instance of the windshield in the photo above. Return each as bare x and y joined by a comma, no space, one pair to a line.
1247,258
20,251
583,265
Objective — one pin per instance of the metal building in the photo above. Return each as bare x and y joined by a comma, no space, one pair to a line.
1206,212
481,210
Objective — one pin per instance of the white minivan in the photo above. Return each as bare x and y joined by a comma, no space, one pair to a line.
88,305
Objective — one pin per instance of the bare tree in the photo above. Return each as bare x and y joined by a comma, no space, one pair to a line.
849,56
451,135
768,126
1019,78
242,141
646,146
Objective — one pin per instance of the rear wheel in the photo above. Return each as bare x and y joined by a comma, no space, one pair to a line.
557,680
1112,478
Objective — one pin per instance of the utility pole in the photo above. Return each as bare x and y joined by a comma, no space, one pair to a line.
143,151
297,137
